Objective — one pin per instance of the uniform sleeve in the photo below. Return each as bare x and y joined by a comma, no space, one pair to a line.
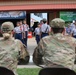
41,27
49,28
22,51
72,31
28,27
14,30
35,30
38,53
41,47
23,54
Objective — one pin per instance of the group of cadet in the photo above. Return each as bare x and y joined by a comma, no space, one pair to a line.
55,50
71,29
42,30
21,31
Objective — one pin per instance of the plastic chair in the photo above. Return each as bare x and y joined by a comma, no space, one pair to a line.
5,71
56,71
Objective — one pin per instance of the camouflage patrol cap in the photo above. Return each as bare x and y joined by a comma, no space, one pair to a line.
57,23
7,26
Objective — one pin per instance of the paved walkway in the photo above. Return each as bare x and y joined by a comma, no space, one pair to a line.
31,45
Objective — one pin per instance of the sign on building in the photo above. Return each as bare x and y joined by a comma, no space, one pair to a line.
13,15
68,16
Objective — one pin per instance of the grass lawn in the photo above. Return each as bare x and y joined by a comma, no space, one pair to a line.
28,71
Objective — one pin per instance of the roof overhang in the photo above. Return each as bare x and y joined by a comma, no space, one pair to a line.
38,7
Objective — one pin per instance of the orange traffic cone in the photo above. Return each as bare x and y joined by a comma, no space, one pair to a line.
29,34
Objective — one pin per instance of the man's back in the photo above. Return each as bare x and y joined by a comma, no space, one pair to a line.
57,50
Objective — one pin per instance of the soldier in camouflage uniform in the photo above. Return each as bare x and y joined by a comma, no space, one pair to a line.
56,50
10,49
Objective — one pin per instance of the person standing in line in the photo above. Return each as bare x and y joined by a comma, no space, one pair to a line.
68,30
25,31
10,49
37,33
41,22
45,29
72,25
73,32
56,50
17,31
22,33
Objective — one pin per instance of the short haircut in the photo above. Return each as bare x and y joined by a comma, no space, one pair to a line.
57,30
44,22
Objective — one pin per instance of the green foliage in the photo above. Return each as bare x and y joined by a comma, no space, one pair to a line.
28,71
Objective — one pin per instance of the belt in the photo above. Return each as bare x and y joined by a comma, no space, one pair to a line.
44,33
18,33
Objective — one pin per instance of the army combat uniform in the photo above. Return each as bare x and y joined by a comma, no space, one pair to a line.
56,50
11,50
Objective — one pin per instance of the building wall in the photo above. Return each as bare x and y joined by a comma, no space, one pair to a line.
27,2
53,14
